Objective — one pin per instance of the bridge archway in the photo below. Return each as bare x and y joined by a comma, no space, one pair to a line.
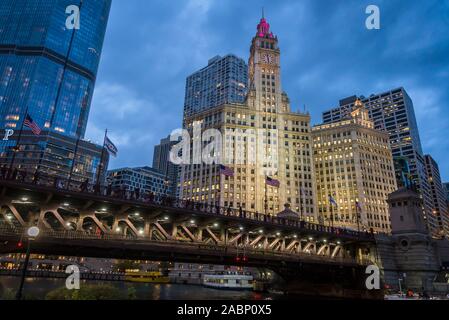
51,220
338,251
12,215
310,248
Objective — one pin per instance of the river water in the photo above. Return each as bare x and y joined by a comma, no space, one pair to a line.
37,289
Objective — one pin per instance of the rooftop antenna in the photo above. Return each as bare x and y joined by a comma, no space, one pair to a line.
263,13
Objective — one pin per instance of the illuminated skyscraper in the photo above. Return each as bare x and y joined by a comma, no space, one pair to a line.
393,112
223,80
354,166
46,67
261,138
439,219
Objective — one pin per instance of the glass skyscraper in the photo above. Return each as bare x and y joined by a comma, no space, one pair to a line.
223,81
46,67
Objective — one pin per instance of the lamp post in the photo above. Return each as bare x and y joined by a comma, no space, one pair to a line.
32,233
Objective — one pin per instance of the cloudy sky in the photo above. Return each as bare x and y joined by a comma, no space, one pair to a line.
151,46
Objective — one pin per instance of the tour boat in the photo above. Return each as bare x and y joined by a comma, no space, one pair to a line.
228,281
146,277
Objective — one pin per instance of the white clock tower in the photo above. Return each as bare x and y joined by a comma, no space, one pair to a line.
265,90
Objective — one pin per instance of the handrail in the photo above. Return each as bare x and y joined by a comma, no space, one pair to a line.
37,178
11,231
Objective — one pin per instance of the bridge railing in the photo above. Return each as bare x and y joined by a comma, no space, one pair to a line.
12,232
40,179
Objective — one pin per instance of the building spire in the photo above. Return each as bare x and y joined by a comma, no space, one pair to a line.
263,28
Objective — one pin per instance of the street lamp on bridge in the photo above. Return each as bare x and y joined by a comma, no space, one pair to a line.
32,234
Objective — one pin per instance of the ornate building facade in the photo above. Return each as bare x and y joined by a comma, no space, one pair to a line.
355,173
261,138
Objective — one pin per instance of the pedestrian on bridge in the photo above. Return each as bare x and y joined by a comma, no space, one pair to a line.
84,185
109,189
14,174
36,176
23,175
3,171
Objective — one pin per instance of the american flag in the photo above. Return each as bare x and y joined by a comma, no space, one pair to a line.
358,205
32,125
226,171
272,182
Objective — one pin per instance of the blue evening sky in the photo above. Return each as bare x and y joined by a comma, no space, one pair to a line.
151,46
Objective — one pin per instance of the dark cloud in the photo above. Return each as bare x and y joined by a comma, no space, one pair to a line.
327,54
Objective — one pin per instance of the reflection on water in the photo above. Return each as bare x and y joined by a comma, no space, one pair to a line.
37,288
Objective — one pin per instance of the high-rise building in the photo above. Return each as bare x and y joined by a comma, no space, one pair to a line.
223,80
48,69
146,179
439,219
56,155
261,138
446,190
393,112
162,163
354,172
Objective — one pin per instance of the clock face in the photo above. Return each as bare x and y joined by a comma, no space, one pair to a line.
268,58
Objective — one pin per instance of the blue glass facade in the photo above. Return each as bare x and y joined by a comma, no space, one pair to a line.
45,67
223,80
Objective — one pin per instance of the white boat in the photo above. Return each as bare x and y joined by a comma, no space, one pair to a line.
401,297
230,281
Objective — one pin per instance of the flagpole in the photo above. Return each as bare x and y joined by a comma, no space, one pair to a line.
16,148
300,203
332,215
357,213
266,196
100,165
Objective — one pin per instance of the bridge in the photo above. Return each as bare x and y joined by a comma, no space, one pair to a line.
94,222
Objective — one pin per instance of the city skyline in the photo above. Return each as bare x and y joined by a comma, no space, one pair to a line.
305,167
166,52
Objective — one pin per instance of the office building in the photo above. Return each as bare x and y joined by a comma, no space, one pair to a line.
393,112
46,69
57,155
439,219
353,167
146,179
223,80
162,163
261,138
446,190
